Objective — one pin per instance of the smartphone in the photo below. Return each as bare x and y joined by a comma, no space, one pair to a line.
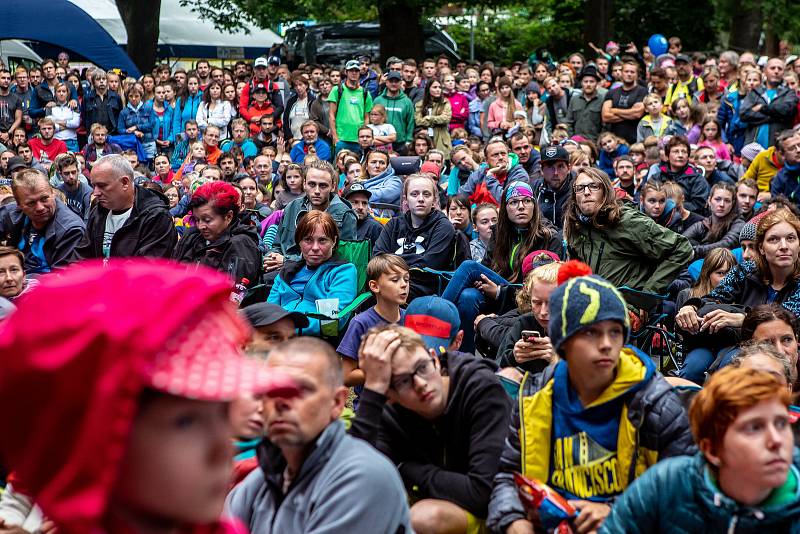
530,336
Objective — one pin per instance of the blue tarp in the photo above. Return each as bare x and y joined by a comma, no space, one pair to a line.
64,24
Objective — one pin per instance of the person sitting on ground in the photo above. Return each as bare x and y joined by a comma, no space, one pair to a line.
444,428
42,227
272,325
763,356
745,475
772,276
308,458
423,235
552,191
678,169
775,325
532,354
291,183
381,180
319,183
601,394
722,228
12,274
217,239
619,242
319,274
367,227
482,288
484,218
163,386
126,219
388,281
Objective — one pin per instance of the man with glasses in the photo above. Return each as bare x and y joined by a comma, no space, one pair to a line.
446,423
399,110
552,190
486,184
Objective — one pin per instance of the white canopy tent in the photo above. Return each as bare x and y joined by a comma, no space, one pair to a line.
183,34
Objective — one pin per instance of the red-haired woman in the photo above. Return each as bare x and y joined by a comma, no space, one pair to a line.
217,239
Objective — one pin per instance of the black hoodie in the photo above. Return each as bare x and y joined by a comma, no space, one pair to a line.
430,245
454,457
235,252
149,231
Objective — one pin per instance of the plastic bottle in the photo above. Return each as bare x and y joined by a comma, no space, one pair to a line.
239,291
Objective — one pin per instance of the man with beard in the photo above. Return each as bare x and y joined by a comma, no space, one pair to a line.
77,193
529,157
47,147
623,106
625,172
553,189
584,114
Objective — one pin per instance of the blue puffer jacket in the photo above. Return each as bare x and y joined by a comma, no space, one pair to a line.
787,183
733,128
683,485
333,279
143,117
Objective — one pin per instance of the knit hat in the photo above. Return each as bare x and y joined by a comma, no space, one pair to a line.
748,232
751,150
518,189
583,301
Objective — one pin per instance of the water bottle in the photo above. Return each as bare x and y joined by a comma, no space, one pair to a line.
239,291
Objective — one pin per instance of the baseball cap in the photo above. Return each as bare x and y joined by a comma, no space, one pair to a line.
393,59
435,319
352,64
259,87
683,57
15,163
266,313
554,153
260,62
393,75
430,167
357,188
274,60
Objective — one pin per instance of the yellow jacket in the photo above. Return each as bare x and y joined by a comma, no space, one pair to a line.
763,168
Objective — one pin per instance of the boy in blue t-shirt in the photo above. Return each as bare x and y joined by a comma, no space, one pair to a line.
387,279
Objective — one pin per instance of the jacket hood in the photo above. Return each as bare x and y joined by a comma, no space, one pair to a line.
388,173
633,370
400,96
427,224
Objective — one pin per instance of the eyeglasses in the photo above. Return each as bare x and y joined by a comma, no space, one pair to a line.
424,370
525,201
593,187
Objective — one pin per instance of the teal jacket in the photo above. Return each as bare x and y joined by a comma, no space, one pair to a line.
339,209
684,484
332,280
400,114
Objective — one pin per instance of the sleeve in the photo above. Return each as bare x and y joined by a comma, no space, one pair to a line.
439,254
388,191
221,120
487,428
74,120
636,511
408,121
323,151
746,110
419,118
349,229
505,355
724,116
670,418
669,252
66,249
351,341
202,116
730,240
505,506
695,232
366,424
177,124
782,109
121,123
35,109
15,507
158,237
384,245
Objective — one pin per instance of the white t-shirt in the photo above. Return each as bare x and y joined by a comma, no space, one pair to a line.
113,223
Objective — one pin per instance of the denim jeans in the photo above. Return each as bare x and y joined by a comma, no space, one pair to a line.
699,360
469,301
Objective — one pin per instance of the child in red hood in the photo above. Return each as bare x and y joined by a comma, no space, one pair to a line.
120,423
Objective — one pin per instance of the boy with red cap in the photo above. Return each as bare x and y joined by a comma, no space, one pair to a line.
121,422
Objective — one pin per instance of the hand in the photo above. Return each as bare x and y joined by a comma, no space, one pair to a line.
48,527
131,129
375,359
542,349
481,317
591,515
73,104
138,134
11,529
520,526
688,320
757,107
763,196
50,105
631,48
3,137
494,171
273,262
716,320
487,287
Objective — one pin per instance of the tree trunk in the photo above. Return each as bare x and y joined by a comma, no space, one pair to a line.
746,25
401,30
141,19
599,25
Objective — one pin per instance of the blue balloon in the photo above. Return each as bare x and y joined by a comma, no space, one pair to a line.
658,44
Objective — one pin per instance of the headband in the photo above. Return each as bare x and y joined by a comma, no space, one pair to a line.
518,189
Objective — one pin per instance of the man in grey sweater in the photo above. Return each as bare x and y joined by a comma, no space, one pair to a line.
312,476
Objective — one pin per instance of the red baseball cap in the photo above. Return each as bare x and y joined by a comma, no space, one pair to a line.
80,350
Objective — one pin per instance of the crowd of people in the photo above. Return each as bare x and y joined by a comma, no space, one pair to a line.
446,274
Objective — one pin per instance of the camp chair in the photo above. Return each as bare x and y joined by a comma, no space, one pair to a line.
653,337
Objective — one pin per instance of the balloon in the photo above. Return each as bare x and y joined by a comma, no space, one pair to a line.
658,44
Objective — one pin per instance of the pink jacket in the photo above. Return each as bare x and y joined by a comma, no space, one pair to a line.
497,113
459,104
